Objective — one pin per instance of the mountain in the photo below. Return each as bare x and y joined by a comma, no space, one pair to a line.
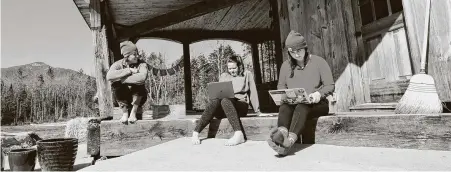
29,74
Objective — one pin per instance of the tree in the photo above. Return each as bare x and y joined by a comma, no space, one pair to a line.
20,73
80,71
50,73
40,80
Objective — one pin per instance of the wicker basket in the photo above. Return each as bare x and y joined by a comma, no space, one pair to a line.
57,154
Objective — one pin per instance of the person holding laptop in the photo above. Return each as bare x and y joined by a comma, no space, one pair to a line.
232,108
301,70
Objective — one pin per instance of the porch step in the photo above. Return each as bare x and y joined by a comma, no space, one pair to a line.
374,107
419,131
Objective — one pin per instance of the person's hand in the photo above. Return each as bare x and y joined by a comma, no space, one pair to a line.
315,97
302,100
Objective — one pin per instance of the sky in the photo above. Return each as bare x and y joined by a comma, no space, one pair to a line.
54,32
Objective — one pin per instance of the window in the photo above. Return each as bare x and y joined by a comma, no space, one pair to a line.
373,10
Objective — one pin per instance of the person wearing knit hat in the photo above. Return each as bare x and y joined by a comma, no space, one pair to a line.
127,77
301,70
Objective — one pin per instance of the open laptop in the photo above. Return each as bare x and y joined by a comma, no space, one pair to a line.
219,90
289,95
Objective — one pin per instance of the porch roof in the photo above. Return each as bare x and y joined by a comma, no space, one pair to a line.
141,18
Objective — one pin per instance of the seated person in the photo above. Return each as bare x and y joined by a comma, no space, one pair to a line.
301,70
127,77
231,108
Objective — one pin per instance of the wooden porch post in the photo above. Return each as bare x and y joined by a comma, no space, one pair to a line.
256,64
187,72
101,54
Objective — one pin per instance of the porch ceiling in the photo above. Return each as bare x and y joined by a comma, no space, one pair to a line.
133,18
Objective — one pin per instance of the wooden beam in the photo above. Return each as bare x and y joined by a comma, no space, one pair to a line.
194,35
178,16
101,54
187,72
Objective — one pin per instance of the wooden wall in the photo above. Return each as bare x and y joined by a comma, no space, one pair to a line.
329,29
439,52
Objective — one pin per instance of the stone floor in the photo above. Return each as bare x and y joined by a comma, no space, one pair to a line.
180,154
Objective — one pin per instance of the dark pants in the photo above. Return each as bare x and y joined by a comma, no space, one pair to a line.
128,95
232,109
293,117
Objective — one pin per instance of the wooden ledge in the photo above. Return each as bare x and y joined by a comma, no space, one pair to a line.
415,131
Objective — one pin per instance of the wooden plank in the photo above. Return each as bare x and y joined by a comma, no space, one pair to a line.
132,12
284,28
387,58
341,72
256,8
383,91
385,88
353,54
177,16
234,15
316,19
297,16
439,55
439,41
414,16
361,54
384,25
260,17
402,54
101,54
425,132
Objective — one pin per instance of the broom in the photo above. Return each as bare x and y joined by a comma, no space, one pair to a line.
421,95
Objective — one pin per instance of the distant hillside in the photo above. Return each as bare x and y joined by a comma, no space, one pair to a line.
29,74
37,92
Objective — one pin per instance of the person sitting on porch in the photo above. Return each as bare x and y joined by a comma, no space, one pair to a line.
301,70
127,77
231,108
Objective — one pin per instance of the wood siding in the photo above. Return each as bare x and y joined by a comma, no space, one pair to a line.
439,52
329,29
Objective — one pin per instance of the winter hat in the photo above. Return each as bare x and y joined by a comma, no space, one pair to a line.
295,41
127,47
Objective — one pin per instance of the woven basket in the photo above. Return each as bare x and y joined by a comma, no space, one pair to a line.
57,154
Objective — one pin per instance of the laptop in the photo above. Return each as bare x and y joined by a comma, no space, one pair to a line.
290,95
219,90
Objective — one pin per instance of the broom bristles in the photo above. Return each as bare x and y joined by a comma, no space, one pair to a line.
420,97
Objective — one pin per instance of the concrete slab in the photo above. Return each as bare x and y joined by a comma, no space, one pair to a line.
180,154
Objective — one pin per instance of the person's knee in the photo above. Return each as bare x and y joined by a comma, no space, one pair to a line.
284,108
136,100
226,102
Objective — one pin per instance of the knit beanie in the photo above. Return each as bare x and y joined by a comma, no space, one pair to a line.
295,41
127,47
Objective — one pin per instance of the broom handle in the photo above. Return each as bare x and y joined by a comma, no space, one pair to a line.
425,38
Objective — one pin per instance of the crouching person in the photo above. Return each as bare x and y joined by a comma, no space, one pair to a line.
127,77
